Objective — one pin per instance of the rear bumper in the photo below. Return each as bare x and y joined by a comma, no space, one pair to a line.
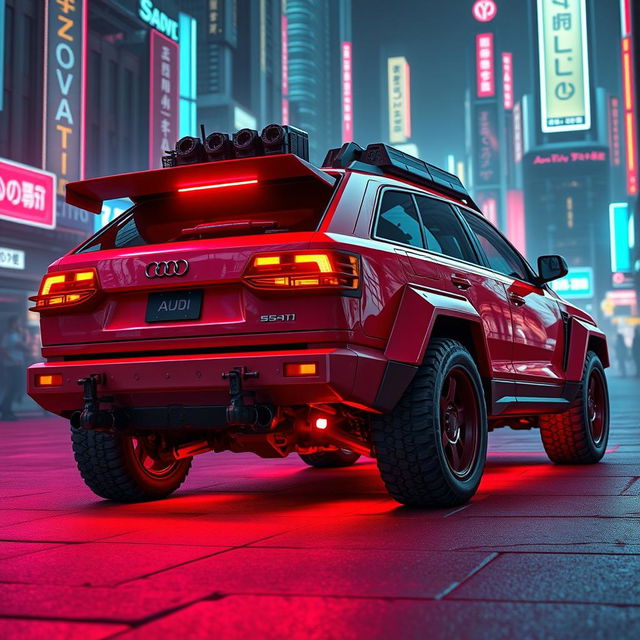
347,375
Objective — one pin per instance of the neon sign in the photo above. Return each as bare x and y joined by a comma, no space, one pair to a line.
64,105
398,77
565,100
570,157
27,195
485,71
347,94
158,19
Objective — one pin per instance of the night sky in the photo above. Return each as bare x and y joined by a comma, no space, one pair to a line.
436,37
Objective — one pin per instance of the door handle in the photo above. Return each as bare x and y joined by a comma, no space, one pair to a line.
517,300
461,283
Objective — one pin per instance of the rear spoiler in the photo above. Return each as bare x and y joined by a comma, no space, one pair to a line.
90,194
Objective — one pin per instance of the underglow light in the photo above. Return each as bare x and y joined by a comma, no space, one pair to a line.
218,185
322,423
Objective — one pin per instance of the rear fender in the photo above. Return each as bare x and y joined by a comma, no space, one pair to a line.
583,337
417,315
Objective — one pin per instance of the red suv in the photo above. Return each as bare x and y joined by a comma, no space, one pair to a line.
262,304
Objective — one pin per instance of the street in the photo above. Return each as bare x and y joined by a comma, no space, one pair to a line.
273,549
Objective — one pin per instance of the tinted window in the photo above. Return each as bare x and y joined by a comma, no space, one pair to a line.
443,230
502,257
397,219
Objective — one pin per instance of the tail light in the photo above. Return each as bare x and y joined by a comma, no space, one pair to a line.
303,270
63,289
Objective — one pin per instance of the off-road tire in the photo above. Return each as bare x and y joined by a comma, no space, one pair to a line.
109,467
567,436
330,459
408,441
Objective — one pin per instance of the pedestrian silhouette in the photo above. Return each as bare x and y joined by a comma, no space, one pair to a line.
622,354
635,350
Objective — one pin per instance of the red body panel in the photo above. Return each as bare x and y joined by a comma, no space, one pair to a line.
404,294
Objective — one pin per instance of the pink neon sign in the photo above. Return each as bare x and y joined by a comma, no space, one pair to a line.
163,96
284,26
347,93
485,68
507,81
27,195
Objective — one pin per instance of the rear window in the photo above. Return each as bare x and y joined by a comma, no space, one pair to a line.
270,207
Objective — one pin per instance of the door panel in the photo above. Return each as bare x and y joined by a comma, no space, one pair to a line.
538,333
445,235
537,323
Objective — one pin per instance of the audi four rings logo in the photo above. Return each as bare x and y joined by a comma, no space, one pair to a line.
166,268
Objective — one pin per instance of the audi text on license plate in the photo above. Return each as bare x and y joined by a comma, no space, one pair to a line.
171,306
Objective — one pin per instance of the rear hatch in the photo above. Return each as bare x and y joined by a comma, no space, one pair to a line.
171,268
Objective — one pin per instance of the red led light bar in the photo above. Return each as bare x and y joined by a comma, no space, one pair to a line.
218,185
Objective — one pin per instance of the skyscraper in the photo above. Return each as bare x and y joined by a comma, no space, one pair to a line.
316,32
239,81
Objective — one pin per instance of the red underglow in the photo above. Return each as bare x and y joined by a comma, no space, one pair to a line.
218,185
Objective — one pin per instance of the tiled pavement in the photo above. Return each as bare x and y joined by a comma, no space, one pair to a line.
272,549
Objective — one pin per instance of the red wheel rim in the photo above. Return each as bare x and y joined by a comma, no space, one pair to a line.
149,464
459,422
596,406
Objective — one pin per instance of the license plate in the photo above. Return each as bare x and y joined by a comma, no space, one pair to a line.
169,306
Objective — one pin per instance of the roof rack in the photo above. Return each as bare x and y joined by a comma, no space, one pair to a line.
388,160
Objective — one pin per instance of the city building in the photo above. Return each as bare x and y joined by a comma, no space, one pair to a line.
566,168
239,63
89,88
319,72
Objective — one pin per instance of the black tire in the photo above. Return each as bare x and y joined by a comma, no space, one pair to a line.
414,461
580,435
113,467
330,459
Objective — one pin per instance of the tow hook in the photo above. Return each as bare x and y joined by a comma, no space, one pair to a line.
255,416
91,417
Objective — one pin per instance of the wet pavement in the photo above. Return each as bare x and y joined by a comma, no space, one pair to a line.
274,549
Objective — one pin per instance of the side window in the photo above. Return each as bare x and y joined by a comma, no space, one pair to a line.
397,219
502,257
443,231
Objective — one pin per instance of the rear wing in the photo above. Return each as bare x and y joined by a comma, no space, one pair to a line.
90,194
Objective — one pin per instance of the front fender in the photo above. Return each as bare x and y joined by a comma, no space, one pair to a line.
583,336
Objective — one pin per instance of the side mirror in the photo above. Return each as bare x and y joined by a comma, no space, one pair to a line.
551,268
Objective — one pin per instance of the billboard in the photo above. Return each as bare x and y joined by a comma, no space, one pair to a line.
485,66
486,163
347,93
507,81
578,283
565,103
163,96
27,195
64,90
398,77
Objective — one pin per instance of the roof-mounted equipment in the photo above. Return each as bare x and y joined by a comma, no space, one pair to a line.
246,143
383,159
